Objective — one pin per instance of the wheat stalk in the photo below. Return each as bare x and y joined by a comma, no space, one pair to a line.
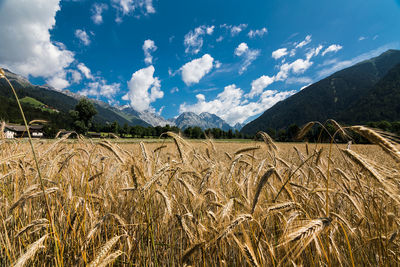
268,140
39,222
247,149
104,251
167,202
30,252
110,258
378,139
240,219
304,130
260,185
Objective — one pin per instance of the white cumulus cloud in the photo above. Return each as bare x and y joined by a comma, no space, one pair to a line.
125,6
258,85
210,29
129,7
332,49
144,89
82,36
193,40
149,7
195,70
59,81
85,71
241,49
235,30
148,47
249,55
97,86
26,47
232,105
306,41
100,88
259,33
314,52
281,52
300,65
97,12
297,67
76,76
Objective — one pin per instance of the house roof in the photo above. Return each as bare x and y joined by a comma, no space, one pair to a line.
22,128
36,127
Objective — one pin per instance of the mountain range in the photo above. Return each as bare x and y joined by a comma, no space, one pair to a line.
204,120
63,101
367,91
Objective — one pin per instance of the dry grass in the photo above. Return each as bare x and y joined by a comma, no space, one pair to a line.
200,203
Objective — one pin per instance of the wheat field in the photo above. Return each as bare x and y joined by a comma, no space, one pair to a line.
199,203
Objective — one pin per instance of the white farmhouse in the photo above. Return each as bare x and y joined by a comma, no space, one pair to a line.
9,134
18,131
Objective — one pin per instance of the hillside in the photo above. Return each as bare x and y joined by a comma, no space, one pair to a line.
9,111
329,98
31,101
382,102
34,95
43,102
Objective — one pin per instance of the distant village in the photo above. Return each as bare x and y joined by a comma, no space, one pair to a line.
11,131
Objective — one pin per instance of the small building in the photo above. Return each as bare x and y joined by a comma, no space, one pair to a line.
36,131
94,135
18,131
9,134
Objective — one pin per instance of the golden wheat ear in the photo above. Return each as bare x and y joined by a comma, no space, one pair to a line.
376,138
103,252
38,121
30,252
268,140
190,251
304,130
341,130
260,185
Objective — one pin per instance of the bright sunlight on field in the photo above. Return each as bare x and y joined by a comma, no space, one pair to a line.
199,203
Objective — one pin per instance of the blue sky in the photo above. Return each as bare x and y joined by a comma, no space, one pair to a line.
231,58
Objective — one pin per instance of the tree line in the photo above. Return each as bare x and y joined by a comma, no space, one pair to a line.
325,133
81,120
